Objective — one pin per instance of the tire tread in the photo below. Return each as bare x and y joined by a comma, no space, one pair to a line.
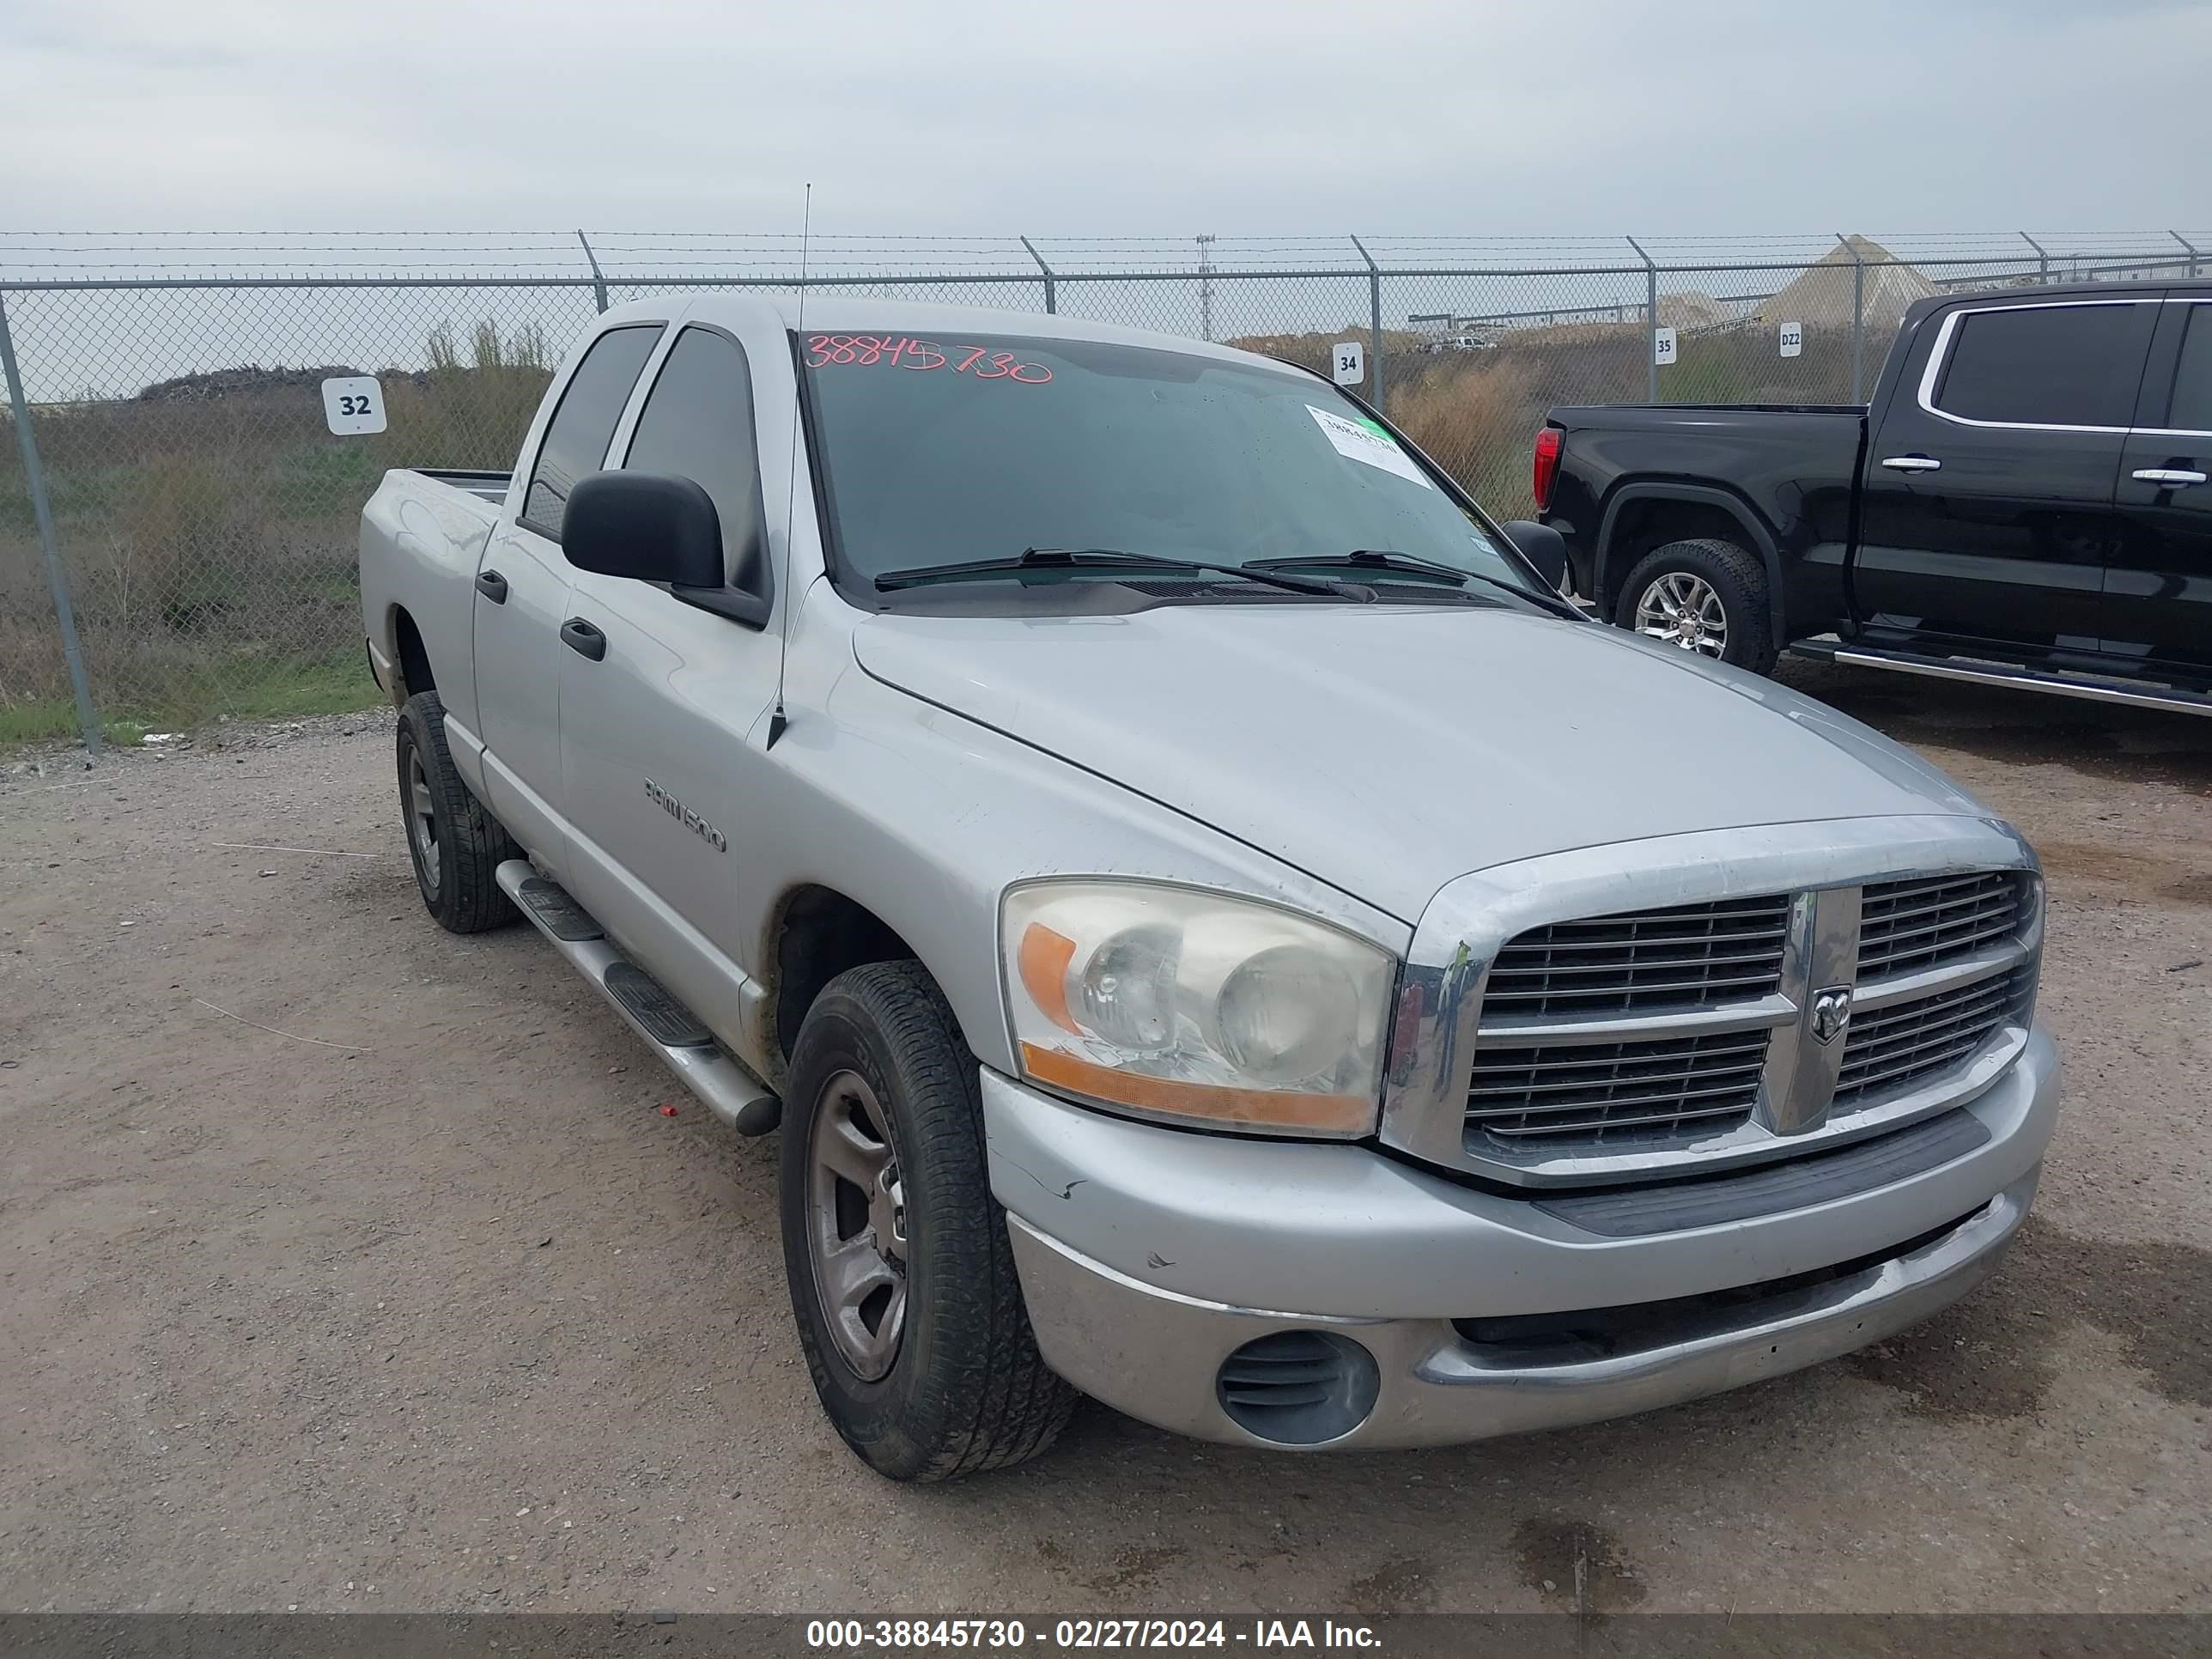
991,1402
475,844
1735,572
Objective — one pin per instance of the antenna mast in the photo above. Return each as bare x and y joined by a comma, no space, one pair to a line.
777,720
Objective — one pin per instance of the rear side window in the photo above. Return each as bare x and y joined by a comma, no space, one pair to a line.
697,423
2046,365
2190,410
576,438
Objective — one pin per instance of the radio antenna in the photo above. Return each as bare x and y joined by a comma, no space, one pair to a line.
777,720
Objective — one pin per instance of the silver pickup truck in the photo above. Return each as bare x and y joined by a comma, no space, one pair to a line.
1215,929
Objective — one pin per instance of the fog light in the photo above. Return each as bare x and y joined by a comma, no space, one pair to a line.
1298,1387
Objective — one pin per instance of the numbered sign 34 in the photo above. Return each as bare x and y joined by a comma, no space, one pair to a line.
1793,338
1347,363
352,404
1662,346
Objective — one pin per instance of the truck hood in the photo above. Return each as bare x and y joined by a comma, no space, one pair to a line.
1386,750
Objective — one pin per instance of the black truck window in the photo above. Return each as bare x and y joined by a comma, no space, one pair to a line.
697,423
576,438
2191,409
2045,366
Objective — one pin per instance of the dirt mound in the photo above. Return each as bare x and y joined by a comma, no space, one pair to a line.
247,381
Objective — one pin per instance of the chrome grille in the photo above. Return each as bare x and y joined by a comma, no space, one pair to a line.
1688,955
1907,925
1890,1048
1615,1090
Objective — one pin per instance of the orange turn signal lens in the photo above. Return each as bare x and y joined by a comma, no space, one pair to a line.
1349,1114
1044,958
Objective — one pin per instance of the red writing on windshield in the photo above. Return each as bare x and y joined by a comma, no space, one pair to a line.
824,350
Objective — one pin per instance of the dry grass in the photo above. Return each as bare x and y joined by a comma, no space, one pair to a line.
210,541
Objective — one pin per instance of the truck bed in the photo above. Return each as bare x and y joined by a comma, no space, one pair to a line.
485,485
423,534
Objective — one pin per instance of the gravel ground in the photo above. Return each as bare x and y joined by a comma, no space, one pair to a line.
349,1265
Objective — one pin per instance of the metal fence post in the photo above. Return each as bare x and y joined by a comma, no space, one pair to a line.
1858,316
2193,255
1650,322
599,282
2042,260
34,480
1051,287
1374,321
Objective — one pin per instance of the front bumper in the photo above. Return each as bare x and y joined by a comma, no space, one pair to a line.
1149,1255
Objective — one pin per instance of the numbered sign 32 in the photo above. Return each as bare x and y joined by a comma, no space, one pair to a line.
352,404
1347,363
1793,339
1662,346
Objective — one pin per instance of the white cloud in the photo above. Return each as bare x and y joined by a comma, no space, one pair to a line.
1400,116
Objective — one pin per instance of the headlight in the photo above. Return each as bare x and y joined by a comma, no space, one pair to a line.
1197,1007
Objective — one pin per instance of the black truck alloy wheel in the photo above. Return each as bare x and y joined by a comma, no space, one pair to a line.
1707,596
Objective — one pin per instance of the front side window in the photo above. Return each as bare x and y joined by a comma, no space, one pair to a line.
576,438
2191,409
2046,365
968,447
697,423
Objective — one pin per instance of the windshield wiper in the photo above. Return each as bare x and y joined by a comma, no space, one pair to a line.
1078,560
1374,558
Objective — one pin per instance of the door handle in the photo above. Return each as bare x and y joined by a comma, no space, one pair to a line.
1913,463
2173,477
583,639
492,586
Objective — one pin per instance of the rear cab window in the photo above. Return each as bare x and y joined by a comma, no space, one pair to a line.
2190,408
583,425
2044,365
697,423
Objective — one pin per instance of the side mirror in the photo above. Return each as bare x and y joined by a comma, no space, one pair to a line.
1539,543
648,528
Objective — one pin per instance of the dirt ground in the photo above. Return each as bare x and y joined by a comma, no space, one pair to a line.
347,1265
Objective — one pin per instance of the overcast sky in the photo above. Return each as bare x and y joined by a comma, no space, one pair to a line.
1163,117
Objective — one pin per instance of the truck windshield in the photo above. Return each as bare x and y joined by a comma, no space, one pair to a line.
967,447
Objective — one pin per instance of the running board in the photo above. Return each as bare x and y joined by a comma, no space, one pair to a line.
732,1093
2132,696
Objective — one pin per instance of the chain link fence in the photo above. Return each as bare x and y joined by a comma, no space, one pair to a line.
177,523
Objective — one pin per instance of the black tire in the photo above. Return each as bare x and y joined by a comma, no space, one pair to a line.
1737,579
967,1390
457,882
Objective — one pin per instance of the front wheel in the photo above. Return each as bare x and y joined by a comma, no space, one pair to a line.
902,1279
1709,597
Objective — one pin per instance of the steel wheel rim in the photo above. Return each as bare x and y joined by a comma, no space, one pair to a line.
856,1226
1682,609
423,818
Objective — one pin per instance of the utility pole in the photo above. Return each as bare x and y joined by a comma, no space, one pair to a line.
1205,286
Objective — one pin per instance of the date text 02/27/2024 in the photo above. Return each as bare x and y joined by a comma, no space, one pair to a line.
1067,1635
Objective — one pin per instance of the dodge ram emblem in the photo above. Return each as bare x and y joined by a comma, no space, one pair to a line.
1832,1012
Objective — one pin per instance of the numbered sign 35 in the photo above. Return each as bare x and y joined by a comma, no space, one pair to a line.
353,404
1662,346
1793,338
1347,363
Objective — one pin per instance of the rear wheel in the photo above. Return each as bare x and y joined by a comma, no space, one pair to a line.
1709,598
454,844
902,1279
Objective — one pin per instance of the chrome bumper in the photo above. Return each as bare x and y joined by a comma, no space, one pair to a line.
1147,1256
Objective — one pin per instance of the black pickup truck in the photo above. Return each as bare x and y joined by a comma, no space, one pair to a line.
2025,500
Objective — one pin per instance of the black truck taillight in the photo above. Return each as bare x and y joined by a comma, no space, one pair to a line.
1549,442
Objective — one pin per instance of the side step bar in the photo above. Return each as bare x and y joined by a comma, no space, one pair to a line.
2133,695
731,1092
